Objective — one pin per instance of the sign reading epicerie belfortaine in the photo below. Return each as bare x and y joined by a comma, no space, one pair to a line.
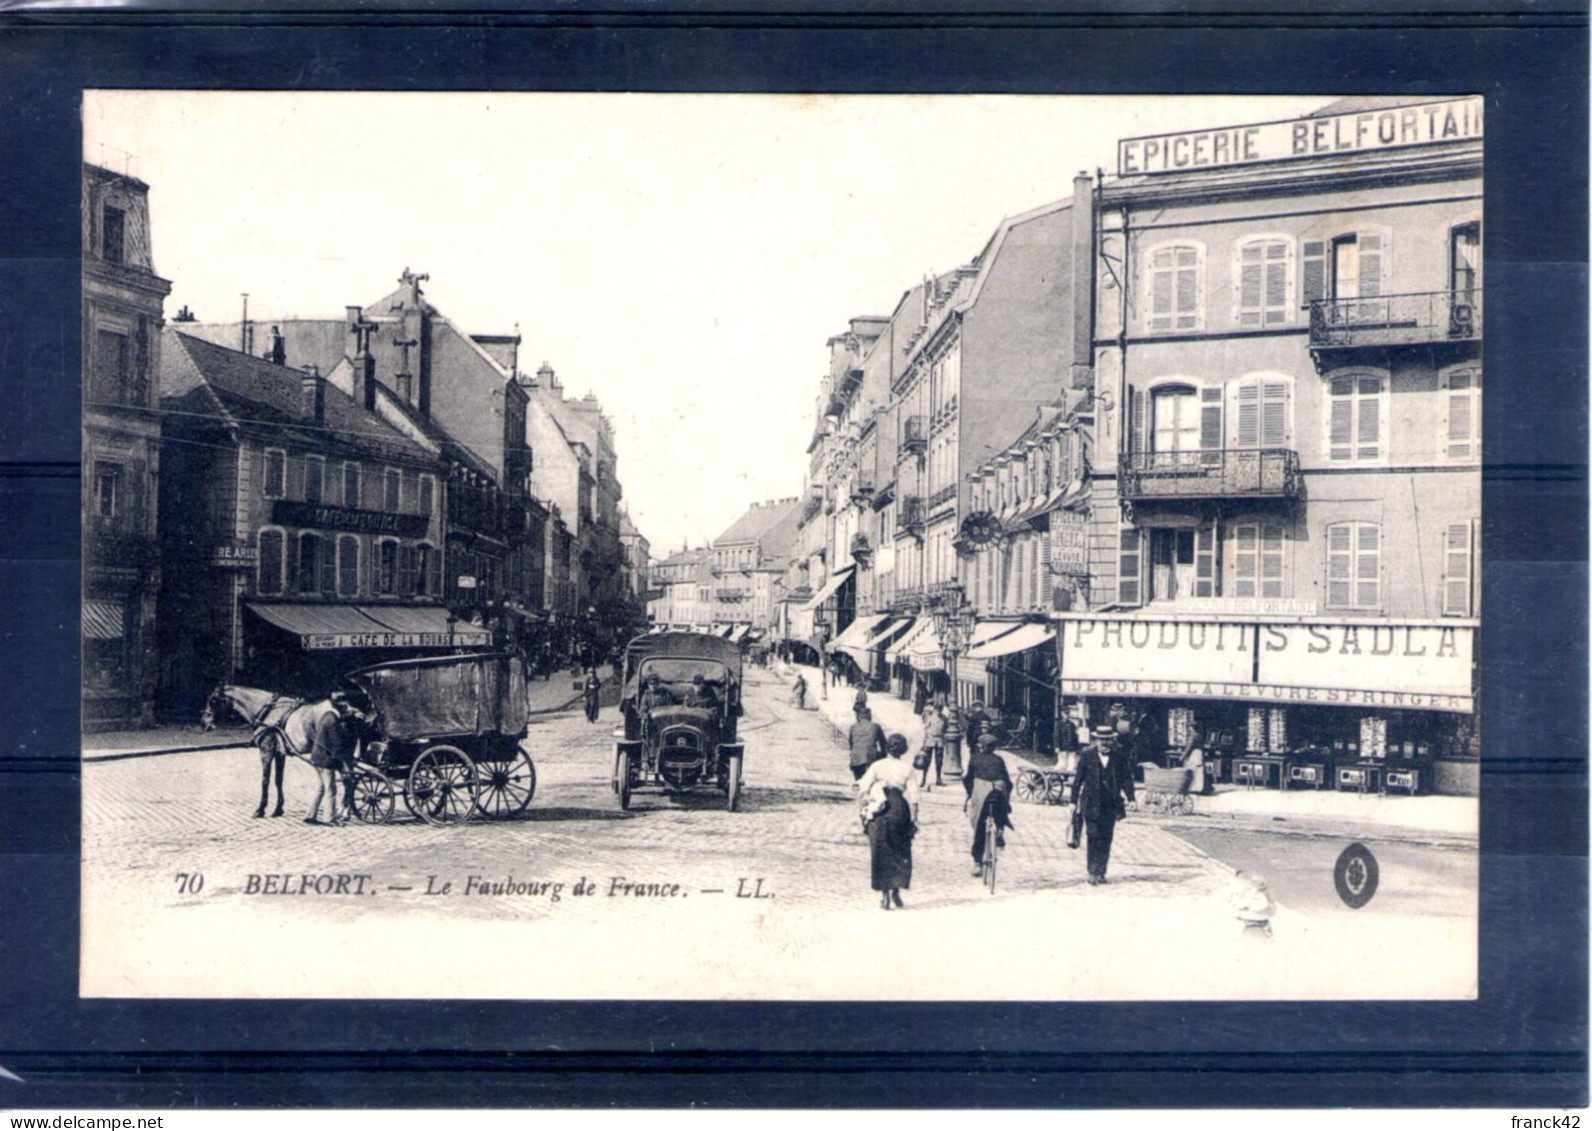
1390,128
1422,665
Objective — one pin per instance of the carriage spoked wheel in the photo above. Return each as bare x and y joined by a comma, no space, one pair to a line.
1030,786
371,796
1055,789
443,786
506,788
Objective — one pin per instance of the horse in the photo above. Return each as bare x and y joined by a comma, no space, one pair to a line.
282,727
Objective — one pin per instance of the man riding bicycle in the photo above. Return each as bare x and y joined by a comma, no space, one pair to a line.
989,794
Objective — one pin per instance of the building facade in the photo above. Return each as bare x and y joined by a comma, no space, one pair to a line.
1283,545
123,300
302,533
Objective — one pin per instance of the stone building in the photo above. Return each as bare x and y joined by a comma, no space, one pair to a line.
123,300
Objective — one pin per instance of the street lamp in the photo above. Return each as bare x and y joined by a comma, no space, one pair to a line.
950,622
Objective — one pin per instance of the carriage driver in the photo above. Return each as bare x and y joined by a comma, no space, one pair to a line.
332,736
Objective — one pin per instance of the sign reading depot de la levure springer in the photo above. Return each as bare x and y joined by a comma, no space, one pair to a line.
1357,131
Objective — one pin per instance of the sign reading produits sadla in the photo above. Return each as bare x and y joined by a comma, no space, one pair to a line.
1394,127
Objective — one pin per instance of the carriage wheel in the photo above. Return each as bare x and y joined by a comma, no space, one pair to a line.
442,786
371,796
734,784
622,778
1030,786
1055,789
507,787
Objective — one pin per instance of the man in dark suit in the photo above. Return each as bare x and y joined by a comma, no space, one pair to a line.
866,741
1104,777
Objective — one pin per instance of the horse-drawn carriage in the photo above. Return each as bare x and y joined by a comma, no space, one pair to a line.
444,731
448,730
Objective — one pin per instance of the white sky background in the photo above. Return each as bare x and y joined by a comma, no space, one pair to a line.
684,257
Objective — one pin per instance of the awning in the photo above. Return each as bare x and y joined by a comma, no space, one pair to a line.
903,643
925,653
836,580
739,633
1023,638
727,631
102,620
323,627
888,633
852,641
987,630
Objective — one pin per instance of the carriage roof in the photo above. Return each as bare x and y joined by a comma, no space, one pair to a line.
440,696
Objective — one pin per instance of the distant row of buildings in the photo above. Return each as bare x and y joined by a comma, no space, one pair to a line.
1202,438
279,507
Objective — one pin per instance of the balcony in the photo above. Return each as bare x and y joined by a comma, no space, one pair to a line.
942,496
911,515
1447,324
1237,473
914,435
731,595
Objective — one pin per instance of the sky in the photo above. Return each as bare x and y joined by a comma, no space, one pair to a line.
684,257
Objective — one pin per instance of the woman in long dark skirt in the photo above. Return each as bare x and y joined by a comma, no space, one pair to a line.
888,796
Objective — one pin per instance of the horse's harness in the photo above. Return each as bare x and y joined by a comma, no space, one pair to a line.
272,719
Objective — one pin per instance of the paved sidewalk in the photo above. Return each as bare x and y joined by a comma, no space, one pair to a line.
1303,811
546,696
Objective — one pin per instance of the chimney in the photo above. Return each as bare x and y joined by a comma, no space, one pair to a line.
278,353
546,377
313,389
364,362
1083,279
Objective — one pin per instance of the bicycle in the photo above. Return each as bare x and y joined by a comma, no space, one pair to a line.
992,834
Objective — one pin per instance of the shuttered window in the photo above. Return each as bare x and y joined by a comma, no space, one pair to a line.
1175,288
387,568
428,494
275,484
1262,414
1258,549
347,566
309,560
1354,565
1130,582
1462,414
1263,282
391,497
314,478
1358,405
269,578
1313,257
351,485
1459,569
407,571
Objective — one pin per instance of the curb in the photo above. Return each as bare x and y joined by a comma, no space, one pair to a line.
122,755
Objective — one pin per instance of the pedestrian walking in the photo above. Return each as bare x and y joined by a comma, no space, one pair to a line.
866,739
860,703
593,694
933,754
331,753
977,724
799,690
888,800
989,794
1103,778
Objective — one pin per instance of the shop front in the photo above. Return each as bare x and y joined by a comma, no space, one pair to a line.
303,648
1318,703
1021,668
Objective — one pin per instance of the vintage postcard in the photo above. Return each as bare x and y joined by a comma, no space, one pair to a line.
779,548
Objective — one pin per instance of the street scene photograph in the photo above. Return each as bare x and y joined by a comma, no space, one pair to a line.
780,547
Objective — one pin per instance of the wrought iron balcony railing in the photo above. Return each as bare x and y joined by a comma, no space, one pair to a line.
911,514
1230,473
942,496
1396,320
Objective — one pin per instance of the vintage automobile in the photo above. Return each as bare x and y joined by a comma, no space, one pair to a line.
681,700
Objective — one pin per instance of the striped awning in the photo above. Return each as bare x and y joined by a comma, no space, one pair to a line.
1021,639
322,627
898,650
853,640
103,620
839,578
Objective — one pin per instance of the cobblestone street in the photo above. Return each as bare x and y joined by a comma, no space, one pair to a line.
772,901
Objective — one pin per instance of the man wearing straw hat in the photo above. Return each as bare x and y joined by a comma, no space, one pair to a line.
1103,778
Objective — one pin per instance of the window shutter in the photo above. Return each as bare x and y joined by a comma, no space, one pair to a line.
326,550
1136,420
1274,415
1187,295
1340,554
1457,570
1160,293
1130,587
1042,572
351,495
295,477
270,570
1205,562
1314,275
1251,278
1249,414
1246,561
1373,262
1276,285
1368,566
1211,422
1271,563
406,570
1369,429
